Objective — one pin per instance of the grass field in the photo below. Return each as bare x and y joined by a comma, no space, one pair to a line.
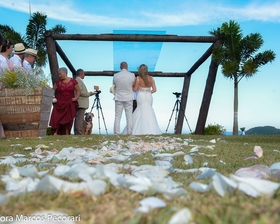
117,204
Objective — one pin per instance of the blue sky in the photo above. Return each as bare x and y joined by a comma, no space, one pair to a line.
258,97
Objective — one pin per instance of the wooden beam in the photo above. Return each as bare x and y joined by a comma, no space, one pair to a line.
135,37
51,51
185,90
154,74
65,59
208,91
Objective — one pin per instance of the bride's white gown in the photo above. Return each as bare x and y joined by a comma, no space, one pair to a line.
144,118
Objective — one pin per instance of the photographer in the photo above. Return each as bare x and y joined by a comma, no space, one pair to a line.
83,101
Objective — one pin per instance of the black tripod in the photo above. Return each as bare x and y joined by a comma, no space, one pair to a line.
97,104
176,106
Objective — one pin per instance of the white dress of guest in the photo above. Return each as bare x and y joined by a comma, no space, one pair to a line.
16,61
5,63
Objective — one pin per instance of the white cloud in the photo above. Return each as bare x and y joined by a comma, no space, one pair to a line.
185,15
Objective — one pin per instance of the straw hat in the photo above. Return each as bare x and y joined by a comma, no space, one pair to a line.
31,52
112,89
19,48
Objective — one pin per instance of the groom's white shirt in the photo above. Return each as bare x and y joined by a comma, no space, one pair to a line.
124,96
123,81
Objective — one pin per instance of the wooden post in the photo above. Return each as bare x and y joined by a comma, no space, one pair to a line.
185,91
182,106
208,91
51,50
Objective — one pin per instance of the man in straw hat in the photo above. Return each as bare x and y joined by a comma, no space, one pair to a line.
18,57
30,57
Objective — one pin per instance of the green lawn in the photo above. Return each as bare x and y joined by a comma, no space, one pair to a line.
117,204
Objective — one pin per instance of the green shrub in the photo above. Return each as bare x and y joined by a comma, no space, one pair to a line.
214,129
49,131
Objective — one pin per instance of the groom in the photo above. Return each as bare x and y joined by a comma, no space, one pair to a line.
124,81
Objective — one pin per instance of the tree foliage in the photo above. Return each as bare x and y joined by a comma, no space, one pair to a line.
239,57
35,35
10,34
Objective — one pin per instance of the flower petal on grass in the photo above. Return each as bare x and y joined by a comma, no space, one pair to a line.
28,170
9,160
223,185
264,187
199,187
183,216
188,159
97,187
257,171
249,190
208,173
150,203
258,151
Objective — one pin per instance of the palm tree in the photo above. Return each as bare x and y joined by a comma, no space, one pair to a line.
35,35
239,58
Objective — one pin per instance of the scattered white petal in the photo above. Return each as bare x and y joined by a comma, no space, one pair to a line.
208,173
275,166
249,190
183,216
150,203
199,187
213,141
9,160
188,159
257,171
258,151
18,155
265,187
223,185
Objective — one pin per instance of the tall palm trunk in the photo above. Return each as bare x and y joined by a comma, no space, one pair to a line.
235,108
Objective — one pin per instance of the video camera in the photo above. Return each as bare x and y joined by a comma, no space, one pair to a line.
177,94
97,91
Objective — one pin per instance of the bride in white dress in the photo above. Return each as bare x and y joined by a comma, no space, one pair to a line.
144,118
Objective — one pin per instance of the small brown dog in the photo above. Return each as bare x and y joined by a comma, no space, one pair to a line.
88,123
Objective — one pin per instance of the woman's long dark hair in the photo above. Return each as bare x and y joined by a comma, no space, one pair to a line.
7,44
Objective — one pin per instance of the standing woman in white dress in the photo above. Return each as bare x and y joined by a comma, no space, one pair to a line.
144,118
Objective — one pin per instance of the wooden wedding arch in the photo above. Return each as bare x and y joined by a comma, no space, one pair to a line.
53,48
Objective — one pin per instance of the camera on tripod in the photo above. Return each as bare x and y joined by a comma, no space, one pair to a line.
177,94
97,91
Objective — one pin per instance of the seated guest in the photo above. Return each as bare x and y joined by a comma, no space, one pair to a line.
30,57
18,56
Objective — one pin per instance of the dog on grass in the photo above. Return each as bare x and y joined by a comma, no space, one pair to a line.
88,123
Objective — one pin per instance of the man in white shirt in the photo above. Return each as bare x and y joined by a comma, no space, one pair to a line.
124,95
30,57
18,56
